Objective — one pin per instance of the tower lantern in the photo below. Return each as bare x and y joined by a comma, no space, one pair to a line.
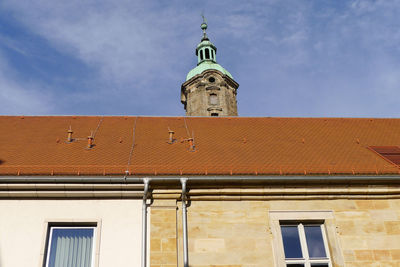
209,89
205,51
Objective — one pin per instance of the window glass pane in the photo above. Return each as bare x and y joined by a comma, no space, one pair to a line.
315,242
207,53
291,242
201,54
319,265
71,247
295,265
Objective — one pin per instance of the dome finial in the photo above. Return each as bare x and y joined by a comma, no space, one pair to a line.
204,27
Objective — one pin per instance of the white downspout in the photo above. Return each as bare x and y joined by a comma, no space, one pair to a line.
146,182
184,224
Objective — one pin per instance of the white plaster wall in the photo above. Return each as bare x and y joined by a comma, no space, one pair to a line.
23,231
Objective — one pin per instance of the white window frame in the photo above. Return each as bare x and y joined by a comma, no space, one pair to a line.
332,245
306,260
50,236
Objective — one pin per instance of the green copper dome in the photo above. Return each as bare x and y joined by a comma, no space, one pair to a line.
206,66
206,55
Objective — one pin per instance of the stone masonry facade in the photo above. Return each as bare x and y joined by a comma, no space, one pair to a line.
237,233
210,94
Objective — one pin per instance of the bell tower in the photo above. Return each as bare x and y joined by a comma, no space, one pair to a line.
209,89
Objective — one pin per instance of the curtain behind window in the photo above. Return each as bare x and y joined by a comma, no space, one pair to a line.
71,247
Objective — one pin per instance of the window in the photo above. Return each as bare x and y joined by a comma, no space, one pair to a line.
214,114
70,246
304,239
214,99
201,54
305,244
207,53
390,153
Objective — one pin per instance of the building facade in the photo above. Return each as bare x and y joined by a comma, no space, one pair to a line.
253,227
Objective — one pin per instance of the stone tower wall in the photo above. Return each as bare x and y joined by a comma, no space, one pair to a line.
210,93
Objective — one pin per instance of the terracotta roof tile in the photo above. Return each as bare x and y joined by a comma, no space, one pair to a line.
223,146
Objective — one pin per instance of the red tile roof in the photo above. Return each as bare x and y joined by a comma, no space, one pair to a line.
223,146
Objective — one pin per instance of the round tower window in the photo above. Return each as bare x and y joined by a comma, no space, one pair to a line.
211,79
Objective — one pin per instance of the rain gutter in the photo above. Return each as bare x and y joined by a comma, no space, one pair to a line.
146,182
184,224
224,179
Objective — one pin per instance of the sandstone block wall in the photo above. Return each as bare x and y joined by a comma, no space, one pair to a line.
237,233
164,234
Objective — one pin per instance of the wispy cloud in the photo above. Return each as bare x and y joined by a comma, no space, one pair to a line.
18,97
291,58
118,39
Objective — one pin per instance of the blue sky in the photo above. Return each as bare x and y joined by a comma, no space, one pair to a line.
291,58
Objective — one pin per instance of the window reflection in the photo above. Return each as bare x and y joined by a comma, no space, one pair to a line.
315,242
291,242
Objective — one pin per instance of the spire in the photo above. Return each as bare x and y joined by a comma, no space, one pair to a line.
205,51
206,54
203,26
